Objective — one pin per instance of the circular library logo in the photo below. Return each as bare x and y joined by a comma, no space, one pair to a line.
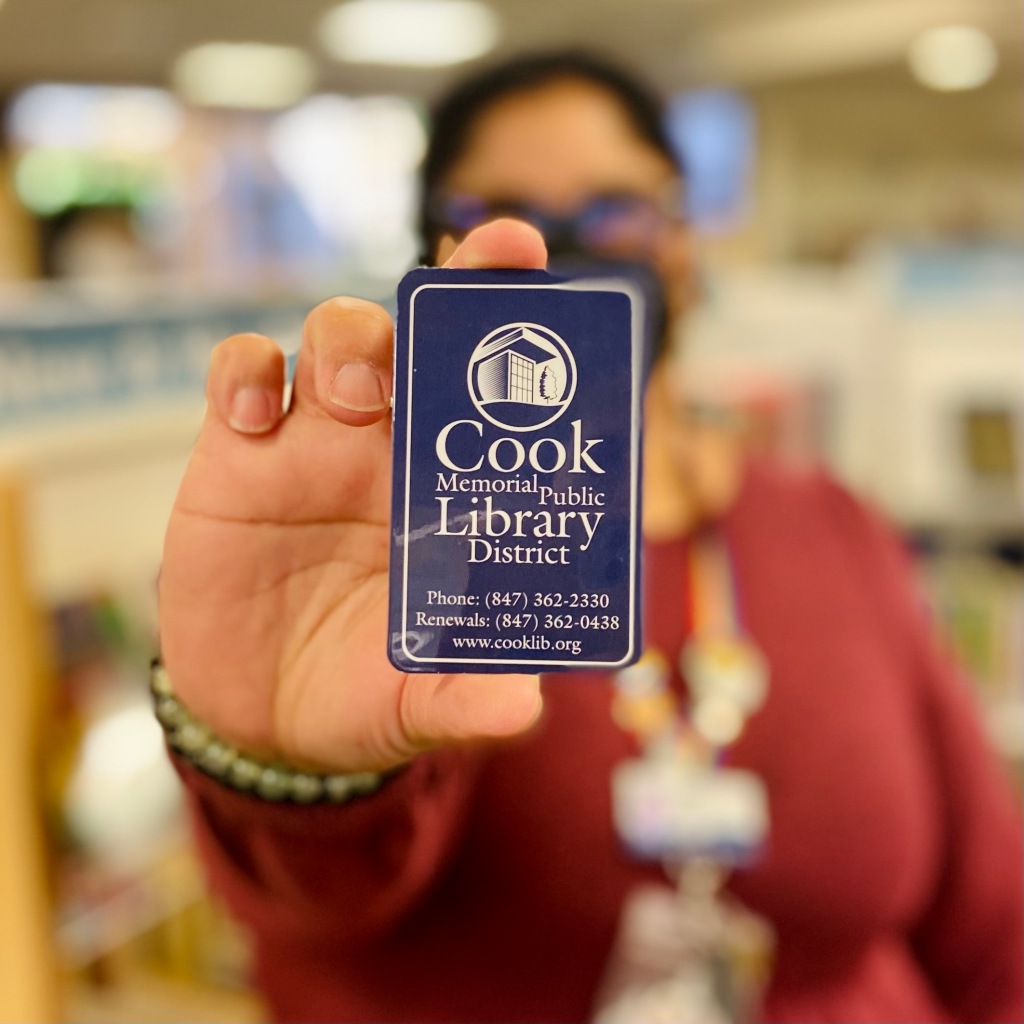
521,376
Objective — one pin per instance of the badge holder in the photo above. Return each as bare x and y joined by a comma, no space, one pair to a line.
688,956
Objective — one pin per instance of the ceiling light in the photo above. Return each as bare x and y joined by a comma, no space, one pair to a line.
419,33
953,58
254,76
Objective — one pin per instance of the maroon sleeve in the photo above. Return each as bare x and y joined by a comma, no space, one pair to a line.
338,873
970,939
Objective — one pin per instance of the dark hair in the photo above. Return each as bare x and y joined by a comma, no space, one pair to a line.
455,117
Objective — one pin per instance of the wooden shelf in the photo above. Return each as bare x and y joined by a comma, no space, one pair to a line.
27,962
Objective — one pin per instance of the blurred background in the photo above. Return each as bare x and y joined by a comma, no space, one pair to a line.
172,171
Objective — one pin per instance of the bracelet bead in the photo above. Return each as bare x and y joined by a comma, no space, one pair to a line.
169,712
244,773
217,758
160,681
272,784
307,789
191,738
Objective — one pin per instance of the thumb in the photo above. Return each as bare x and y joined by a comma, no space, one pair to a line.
439,709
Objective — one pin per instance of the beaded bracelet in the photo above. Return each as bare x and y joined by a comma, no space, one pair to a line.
198,745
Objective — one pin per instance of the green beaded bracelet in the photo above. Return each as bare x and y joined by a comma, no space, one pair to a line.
195,743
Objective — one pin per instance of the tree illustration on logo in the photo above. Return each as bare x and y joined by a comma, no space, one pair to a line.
549,386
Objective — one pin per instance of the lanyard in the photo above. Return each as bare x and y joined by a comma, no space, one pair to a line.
711,587
692,954
725,673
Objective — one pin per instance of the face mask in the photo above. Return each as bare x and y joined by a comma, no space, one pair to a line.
566,262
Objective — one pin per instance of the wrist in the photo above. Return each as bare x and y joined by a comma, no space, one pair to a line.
277,781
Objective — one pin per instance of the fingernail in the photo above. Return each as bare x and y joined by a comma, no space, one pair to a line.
252,410
357,386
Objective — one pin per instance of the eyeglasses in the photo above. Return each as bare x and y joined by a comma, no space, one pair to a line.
613,223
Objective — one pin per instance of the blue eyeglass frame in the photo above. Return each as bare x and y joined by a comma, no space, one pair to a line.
461,212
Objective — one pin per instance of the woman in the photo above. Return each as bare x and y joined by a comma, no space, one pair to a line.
483,879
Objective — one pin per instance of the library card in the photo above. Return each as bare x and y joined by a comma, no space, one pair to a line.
516,491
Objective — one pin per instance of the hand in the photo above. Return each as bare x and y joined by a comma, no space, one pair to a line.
274,588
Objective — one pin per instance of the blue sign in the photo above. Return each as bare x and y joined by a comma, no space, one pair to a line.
76,360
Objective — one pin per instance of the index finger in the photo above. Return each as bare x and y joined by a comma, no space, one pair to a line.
345,365
503,244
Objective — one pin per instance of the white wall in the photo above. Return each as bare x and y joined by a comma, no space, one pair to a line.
837,162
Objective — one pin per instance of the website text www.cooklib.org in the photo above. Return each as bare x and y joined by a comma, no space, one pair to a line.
519,643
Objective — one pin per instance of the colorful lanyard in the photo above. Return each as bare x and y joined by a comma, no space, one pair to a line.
725,672
679,804
711,587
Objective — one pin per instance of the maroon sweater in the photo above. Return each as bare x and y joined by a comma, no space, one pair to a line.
486,885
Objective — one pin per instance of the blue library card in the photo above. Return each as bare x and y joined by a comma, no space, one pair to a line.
516,491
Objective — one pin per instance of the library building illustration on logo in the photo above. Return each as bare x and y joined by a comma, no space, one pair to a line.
522,376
